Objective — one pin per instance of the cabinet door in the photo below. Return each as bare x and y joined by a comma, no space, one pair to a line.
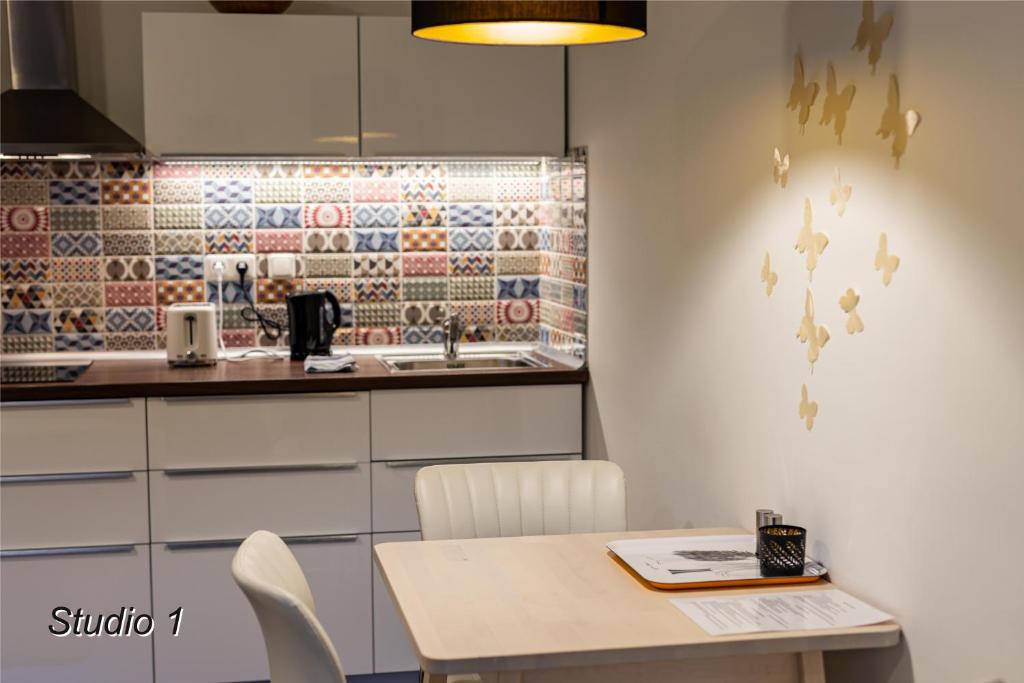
392,649
250,84
420,97
220,638
100,581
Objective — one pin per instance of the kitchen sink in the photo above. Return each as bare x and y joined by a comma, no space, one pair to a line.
467,362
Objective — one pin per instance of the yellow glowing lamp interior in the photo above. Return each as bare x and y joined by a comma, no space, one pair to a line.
529,33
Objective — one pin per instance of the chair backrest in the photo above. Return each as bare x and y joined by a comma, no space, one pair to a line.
480,500
298,648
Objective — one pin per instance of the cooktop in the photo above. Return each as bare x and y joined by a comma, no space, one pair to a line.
18,373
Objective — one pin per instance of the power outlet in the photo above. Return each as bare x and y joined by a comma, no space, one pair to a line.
229,261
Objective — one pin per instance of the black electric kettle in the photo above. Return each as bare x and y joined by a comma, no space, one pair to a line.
311,324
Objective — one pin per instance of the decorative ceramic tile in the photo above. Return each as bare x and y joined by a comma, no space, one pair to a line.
25,343
328,265
477,333
469,288
377,289
229,242
27,322
130,341
127,217
518,311
78,320
179,267
518,264
30,193
188,191
277,216
268,241
239,338
278,313
276,291
521,214
78,342
424,264
470,264
517,190
77,218
517,333
234,293
130,319
376,240
75,244
423,169
339,287
422,334
420,190
129,294
180,292
377,314
176,170
344,337
24,219
425,288
327,216
24,170
278,191
179,242
227,191
126,192
324,170
233,319
424,215
376,216
378,336
470,215
424,312
470,169
375,191
382,170
26,244
377,265
327,191
284,169
21,295
74,192
124,170
320,241
124,243
518,287
120,268
470,190
517,169
25,270
78,294
424,239
177,217
517,239
77,269
229,169
470,239
228,217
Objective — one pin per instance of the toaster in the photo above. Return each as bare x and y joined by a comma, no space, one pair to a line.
192,334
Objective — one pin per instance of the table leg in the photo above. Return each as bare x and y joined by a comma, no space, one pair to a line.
812,667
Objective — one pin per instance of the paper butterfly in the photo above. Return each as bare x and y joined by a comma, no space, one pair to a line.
769,278
848,302
836,104
801,95
840,194
808,409
808,242
780,168
899,124
871,34
884,261
815,336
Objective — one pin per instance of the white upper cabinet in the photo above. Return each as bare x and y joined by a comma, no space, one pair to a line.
250,84
423,98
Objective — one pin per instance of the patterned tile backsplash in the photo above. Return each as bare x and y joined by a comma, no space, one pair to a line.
93,252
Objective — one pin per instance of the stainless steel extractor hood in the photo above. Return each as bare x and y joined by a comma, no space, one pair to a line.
43,115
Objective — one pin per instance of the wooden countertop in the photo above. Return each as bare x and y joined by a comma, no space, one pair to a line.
141,378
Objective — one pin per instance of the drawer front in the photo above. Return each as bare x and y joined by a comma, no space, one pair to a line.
49,437
49,511
394,500
191,505
258,430
220,638
98,582
392,649
471,422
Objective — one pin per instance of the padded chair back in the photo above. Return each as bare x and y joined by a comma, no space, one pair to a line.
481,500
298,648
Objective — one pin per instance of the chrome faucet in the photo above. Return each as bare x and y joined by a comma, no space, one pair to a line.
453,329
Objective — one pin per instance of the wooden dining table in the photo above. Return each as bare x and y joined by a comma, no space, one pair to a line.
541,609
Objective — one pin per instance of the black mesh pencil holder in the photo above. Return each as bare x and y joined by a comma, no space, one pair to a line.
782,550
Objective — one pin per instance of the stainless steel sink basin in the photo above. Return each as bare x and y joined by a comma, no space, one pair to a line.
467,362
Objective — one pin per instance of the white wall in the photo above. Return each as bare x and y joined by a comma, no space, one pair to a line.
911,481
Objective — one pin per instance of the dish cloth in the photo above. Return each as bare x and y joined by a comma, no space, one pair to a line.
343,363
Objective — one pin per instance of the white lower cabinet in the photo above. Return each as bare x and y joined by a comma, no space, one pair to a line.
99,580
220,638
392,650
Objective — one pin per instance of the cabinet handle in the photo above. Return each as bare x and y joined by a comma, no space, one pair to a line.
79,550
77,476
257,469
66,402
396,464
253,397
235,542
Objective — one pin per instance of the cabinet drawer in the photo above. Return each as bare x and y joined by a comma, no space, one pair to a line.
47,437
467,422
394,500
392,649
220,638
98,580
94,508
189,505
258,430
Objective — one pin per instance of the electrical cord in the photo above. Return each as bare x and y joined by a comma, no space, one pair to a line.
270,328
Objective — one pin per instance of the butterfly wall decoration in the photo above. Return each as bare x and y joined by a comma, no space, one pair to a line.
871,33
837,103
809,242
897,124
810,333
808,408
884,261
801,93
840,194
768,277
848,302
780,168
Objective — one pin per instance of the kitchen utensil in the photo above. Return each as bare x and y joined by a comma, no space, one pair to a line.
311,323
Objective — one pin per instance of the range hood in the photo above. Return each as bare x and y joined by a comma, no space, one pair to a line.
43,115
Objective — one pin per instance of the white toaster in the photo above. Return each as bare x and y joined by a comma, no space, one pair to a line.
192,334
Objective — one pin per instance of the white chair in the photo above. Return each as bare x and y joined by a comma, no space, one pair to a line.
298,648
481,500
